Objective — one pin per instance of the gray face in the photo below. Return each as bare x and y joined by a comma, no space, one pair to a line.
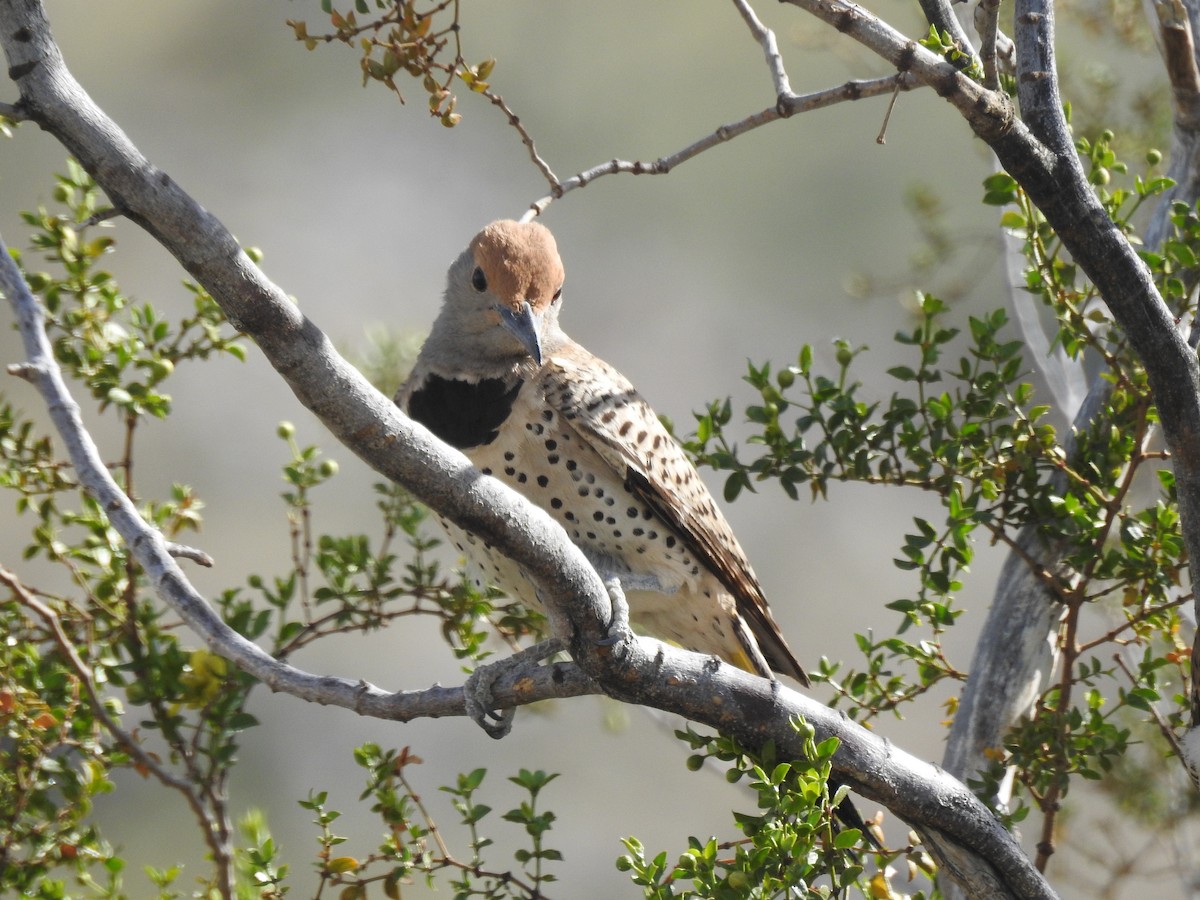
501,304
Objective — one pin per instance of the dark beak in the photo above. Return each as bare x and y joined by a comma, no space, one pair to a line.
526,327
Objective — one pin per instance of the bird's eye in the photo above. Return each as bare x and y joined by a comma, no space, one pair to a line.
557,296
479,280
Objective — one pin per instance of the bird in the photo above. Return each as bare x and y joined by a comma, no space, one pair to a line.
498,379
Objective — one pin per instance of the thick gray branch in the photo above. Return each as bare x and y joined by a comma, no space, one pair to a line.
1176,23
1037,76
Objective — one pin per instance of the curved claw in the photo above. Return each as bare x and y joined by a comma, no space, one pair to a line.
477,691
477,697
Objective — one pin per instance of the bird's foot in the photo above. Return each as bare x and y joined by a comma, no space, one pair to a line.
477,692
618,625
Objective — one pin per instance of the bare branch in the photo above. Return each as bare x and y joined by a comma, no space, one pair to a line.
881,138
182,551
1178,47
526,138
786,106
787,103
989,113
1037,76
987,23
766,38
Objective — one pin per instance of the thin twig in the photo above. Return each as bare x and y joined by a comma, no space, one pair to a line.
987,21
27,599
766,38
182,551
526,138
887,116
786,106
1164,727
103,215
1113,635
430,825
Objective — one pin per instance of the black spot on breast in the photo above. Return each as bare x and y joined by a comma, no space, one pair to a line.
461,413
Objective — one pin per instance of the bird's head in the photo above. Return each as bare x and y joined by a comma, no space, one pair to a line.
502,297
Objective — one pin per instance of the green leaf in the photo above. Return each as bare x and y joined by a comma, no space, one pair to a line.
847,839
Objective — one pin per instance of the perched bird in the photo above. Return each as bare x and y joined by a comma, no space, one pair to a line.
498,379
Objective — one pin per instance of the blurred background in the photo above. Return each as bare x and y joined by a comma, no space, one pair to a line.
801,232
